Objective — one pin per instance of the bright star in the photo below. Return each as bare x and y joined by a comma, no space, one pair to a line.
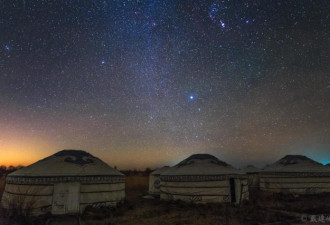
191,97
102,62
223,25
246,21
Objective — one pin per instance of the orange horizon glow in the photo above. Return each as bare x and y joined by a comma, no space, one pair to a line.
19,145
26,151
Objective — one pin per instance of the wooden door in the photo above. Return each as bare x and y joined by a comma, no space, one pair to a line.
66,198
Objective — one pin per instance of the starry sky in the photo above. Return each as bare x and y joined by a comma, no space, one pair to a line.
146,83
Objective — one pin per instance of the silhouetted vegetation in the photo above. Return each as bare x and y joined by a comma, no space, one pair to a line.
4,170
136,172
17,216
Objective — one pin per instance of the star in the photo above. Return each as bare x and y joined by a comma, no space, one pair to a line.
153,75
223,25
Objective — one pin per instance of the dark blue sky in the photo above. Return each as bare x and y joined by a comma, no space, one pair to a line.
147,83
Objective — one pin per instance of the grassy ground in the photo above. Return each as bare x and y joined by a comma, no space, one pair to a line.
263,208
137,210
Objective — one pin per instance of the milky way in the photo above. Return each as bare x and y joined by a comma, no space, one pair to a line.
148,83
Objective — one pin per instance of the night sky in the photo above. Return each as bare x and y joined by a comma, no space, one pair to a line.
148,83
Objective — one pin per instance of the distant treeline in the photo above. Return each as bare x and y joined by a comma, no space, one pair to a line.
135,172
4,170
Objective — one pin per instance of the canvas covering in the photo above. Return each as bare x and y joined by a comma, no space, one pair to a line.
295,174
203,178
77,175
154,181
253,176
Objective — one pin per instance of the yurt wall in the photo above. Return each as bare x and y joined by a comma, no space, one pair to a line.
154,181
64,183
203,178
295,174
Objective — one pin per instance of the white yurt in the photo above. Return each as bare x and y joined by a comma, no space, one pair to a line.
64,183
203,178
295,174
154,180
252,174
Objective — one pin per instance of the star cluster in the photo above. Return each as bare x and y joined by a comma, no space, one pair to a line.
147,83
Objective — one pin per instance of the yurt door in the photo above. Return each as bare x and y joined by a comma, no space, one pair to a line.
232,190
66,198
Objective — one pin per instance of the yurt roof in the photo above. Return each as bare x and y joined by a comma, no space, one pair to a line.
201,164
160,170
67,163
251,169
295,163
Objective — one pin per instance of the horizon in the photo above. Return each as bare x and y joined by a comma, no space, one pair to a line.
256,164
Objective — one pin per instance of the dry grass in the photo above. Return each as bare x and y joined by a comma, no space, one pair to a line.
16,215
2,185
305,204
137,210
